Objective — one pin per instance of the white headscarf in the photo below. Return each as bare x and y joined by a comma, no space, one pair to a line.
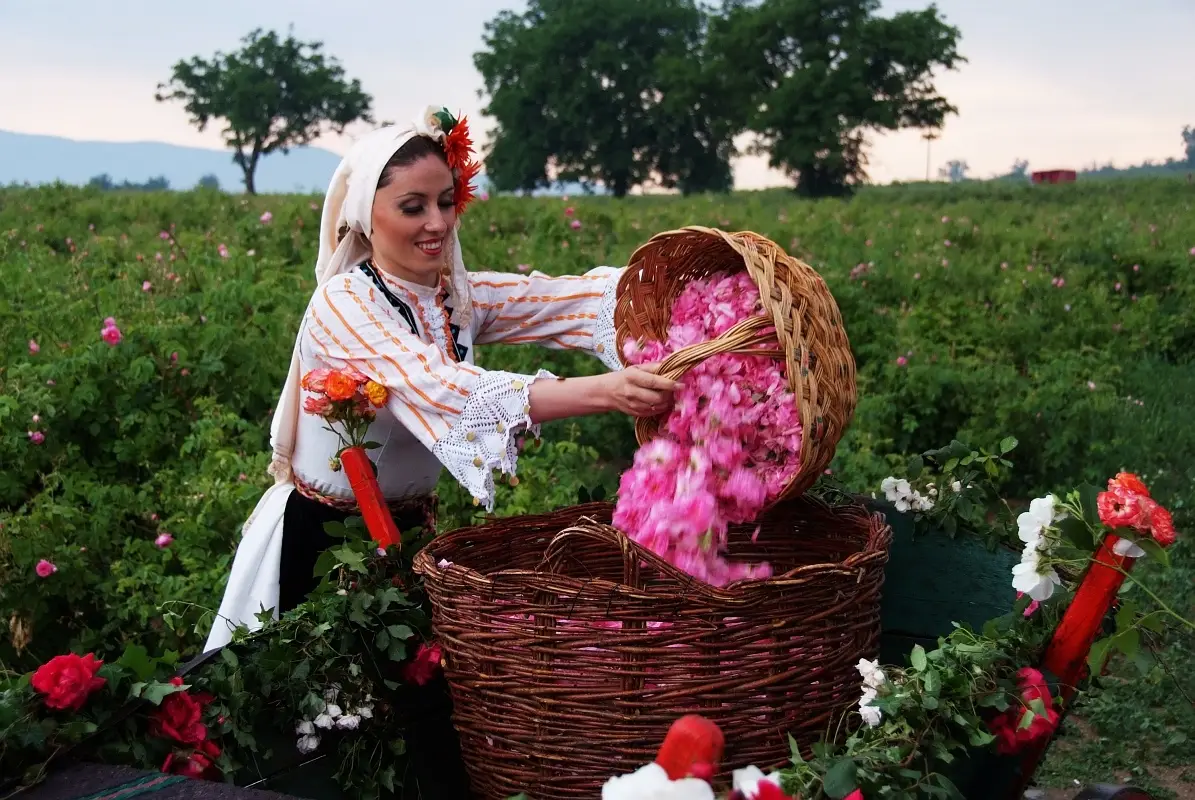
349,202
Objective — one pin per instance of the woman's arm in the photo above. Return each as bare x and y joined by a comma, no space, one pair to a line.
636,391
568,312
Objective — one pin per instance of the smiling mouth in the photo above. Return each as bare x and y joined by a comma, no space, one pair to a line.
432,248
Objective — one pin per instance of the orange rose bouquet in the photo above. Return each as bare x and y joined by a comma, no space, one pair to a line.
348,401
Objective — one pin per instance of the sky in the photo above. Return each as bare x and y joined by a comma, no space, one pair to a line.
1060,83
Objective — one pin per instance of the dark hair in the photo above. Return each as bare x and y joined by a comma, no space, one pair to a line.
416,148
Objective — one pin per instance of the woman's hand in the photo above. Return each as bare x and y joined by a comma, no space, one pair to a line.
638,391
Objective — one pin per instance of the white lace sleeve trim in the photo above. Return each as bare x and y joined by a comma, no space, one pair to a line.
605,336
483,439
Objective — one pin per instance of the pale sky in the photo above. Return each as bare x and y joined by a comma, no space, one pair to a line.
1061,83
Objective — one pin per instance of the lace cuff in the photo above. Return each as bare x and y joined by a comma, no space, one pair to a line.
483,439
605,336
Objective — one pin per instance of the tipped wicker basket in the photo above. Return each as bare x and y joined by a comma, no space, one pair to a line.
801,311
570,649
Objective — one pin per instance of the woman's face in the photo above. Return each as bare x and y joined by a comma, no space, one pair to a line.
413,216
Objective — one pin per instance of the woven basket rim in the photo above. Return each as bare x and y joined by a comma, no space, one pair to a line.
879,536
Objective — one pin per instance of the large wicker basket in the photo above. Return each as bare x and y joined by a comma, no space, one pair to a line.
803,316
570,649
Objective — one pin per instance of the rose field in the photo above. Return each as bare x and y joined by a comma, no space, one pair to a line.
144,338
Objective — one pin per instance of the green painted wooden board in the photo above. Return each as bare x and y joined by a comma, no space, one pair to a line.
932,581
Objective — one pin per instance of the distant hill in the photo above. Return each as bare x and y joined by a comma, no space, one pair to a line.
36,159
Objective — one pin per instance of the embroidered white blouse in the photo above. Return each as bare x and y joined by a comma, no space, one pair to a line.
443,411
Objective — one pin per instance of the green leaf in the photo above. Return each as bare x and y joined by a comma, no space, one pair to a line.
933,682
795,750
950,465
397,651
1087,501
302,671
1077,533
929,702
400,631
979,738
135,658
1128,642
391,685
325,564
382,640
157,692
1154,551
230,658
386,778
915,466
840,779
917,658
351,559
1008,444
949,786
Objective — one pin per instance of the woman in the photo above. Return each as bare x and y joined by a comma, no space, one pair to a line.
395,302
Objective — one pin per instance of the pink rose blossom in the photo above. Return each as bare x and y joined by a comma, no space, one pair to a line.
568,212
266,217
222,249
575,224
37,437
164,236
45,569
163,541
729,444
901,361
111,334
34,347
146,286
36,418
523,267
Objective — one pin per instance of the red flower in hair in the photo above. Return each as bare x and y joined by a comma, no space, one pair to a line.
464,193
457,144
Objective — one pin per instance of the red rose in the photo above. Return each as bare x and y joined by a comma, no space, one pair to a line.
67,680
180,717
1010,736
422,668
199,763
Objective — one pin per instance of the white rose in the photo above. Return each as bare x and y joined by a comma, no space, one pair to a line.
308,744
365,712
957,486
871,715
324,721
333,710
305,728
650,782
747,780
348,722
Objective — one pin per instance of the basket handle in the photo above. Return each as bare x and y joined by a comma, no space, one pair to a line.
745,338
633,555
558,549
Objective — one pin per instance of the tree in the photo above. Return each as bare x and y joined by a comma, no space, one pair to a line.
955,171
1189,143
817,76
272,94
602,90
210,182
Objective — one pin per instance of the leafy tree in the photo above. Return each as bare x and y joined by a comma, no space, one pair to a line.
273,94
816,76
1189,143
602,90
209,181
955,171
